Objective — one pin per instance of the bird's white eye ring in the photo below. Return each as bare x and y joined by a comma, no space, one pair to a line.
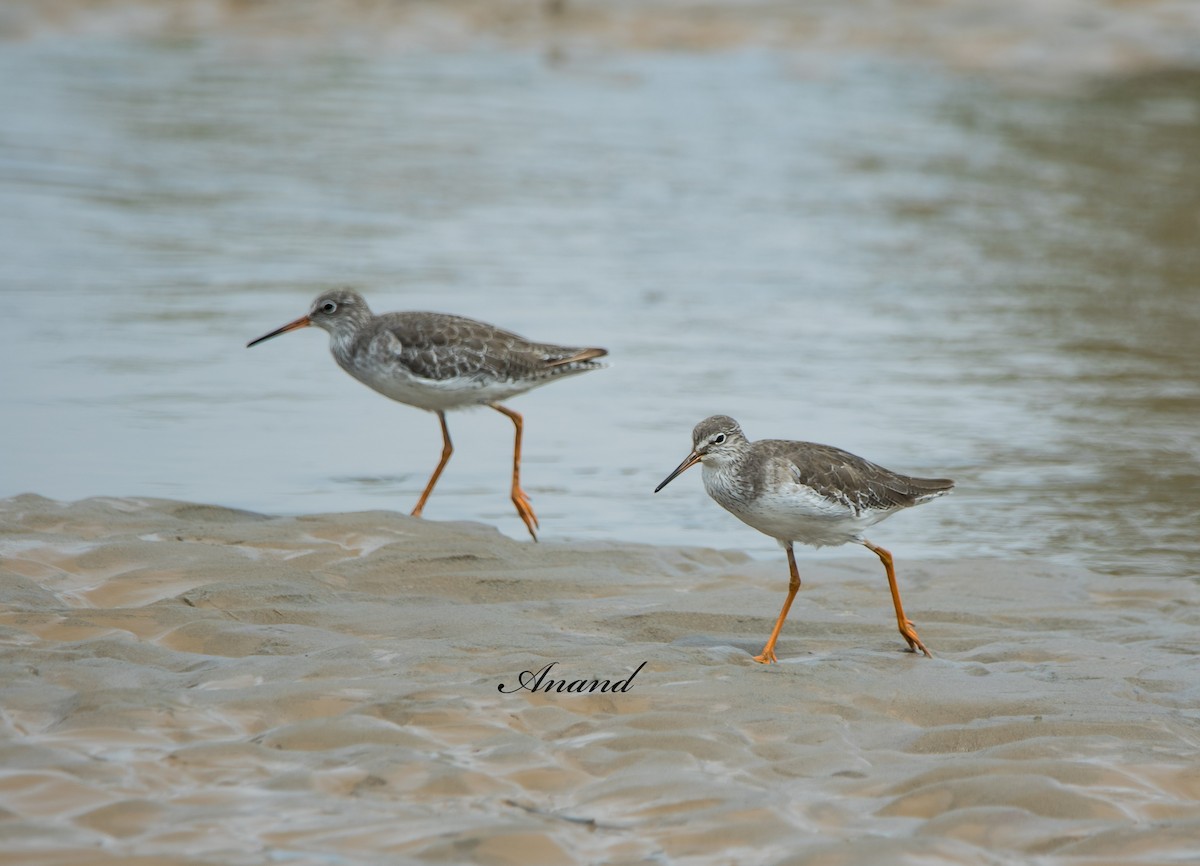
719,439
329,307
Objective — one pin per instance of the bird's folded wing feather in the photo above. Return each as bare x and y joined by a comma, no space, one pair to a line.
439,347
844,477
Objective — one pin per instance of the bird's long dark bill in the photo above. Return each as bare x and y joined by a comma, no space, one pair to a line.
302,322
692,460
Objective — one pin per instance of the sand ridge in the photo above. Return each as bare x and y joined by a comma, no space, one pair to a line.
192,684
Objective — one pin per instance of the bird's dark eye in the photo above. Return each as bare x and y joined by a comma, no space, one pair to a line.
719,439
329,307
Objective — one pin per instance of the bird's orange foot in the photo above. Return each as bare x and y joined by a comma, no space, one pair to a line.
525,511
914,643
767,656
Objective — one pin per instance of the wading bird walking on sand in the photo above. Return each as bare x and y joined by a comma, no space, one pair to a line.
440,362
801,491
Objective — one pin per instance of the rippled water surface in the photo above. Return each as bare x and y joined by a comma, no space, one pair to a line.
943,274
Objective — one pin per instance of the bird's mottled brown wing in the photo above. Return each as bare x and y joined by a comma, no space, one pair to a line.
860,484
441,346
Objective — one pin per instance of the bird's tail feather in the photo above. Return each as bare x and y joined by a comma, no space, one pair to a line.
581,355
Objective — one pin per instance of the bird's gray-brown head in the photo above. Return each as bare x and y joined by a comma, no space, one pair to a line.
341,312
715,441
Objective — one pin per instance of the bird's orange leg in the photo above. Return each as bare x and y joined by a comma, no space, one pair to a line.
447,450
768,652
519,499
906,627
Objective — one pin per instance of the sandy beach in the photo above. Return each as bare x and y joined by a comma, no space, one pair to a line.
185,683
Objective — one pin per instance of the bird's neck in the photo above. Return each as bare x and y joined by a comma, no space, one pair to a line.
723,479
342,339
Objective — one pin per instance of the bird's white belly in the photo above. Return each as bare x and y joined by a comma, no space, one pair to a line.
433,394
797,513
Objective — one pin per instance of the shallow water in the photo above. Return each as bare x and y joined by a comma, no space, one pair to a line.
940,272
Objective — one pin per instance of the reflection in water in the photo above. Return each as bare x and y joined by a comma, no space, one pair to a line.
938,274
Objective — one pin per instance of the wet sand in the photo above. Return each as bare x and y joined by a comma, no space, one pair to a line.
1043,44
186,683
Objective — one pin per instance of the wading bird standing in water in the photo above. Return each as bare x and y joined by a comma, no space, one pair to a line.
440,362
801,491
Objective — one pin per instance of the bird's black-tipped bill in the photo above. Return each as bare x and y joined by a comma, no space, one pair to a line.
302,322
691,460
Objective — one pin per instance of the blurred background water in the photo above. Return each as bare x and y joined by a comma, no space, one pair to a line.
941,270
